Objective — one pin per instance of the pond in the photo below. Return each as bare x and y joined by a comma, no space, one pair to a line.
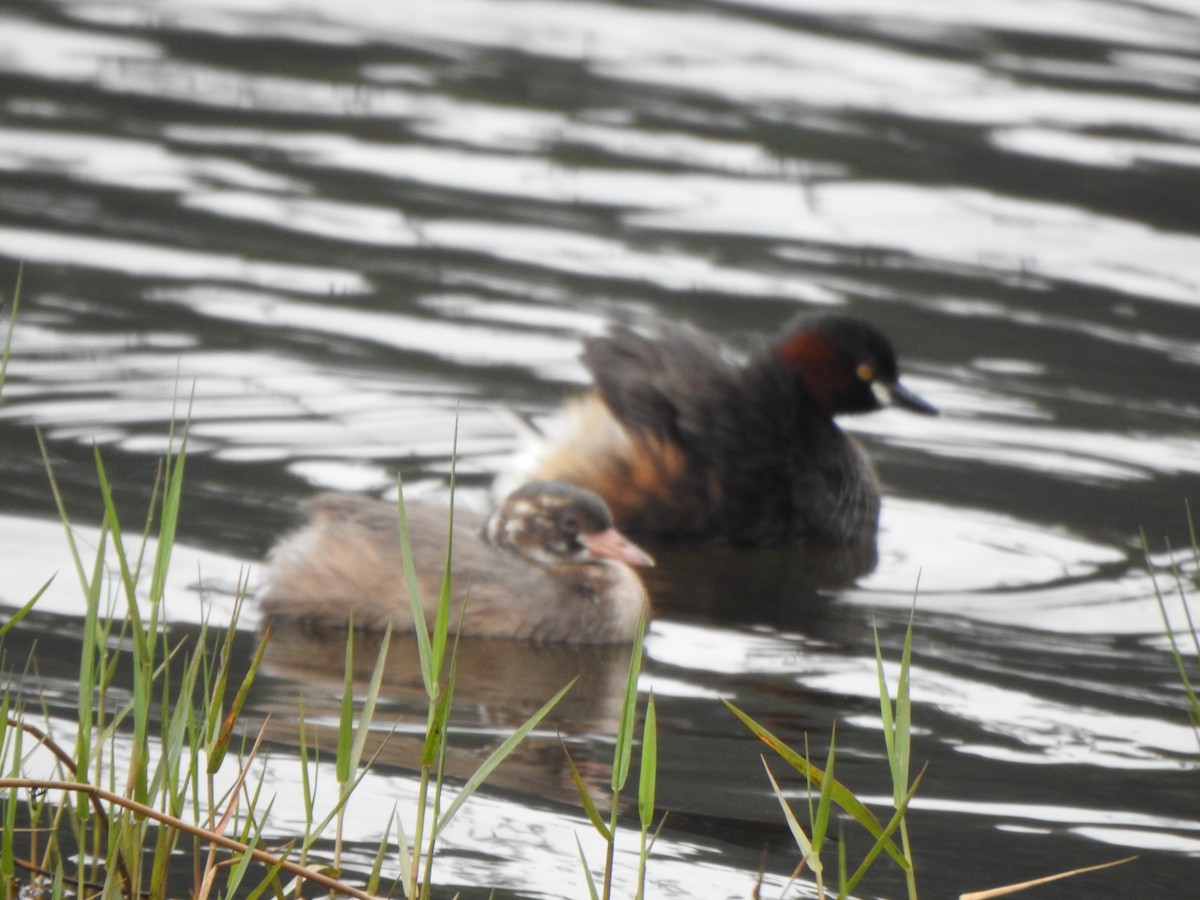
335,234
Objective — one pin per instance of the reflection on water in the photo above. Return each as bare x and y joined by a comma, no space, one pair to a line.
352,230
498,686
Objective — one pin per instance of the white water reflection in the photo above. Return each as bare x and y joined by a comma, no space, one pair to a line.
133,165
139,258
952,226
1026,727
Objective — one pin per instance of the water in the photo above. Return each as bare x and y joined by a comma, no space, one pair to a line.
332,229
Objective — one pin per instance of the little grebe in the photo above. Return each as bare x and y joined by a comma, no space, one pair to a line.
686,446
548,565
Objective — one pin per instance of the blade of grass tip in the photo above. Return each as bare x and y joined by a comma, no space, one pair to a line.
12,323
405,858
649,766
442,618
442,747
662,823
151,518
307,782
346,715
424,648
904,705
21,613
367,713
1170,632
623,752
842,795
221,743
376,873
797,830
61,505
897,722
1192,534
94,642
587,871
585,796
821,820
171,501
1180,582
885,705
114,526
498,755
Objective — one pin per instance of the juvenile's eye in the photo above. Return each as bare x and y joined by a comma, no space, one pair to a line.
569,524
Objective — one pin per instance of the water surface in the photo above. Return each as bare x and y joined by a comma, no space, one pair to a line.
336,232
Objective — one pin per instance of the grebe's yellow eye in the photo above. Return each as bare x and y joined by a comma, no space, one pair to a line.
865,373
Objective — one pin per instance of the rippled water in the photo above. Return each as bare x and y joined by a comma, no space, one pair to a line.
338,228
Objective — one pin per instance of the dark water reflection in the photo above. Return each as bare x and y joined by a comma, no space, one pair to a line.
349,226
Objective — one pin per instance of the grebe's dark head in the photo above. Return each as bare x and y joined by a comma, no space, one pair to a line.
847,365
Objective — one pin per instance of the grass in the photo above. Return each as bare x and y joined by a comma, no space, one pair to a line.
1177,637
897,721
622,758
14,305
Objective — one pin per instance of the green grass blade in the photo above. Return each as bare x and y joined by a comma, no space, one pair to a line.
21,613
169,521
346,716
623,752
821,821
441,623
12,323
405,860
587,872
367,713
840,794
220,745
897,721
94,642
1170,631
376,873
424,647
7,849
112,520
903,743
435,729
498,755
885,705
60,504
252,842
585,796
897,818
797,830
649,766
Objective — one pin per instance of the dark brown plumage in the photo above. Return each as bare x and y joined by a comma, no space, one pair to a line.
687,446
546,566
